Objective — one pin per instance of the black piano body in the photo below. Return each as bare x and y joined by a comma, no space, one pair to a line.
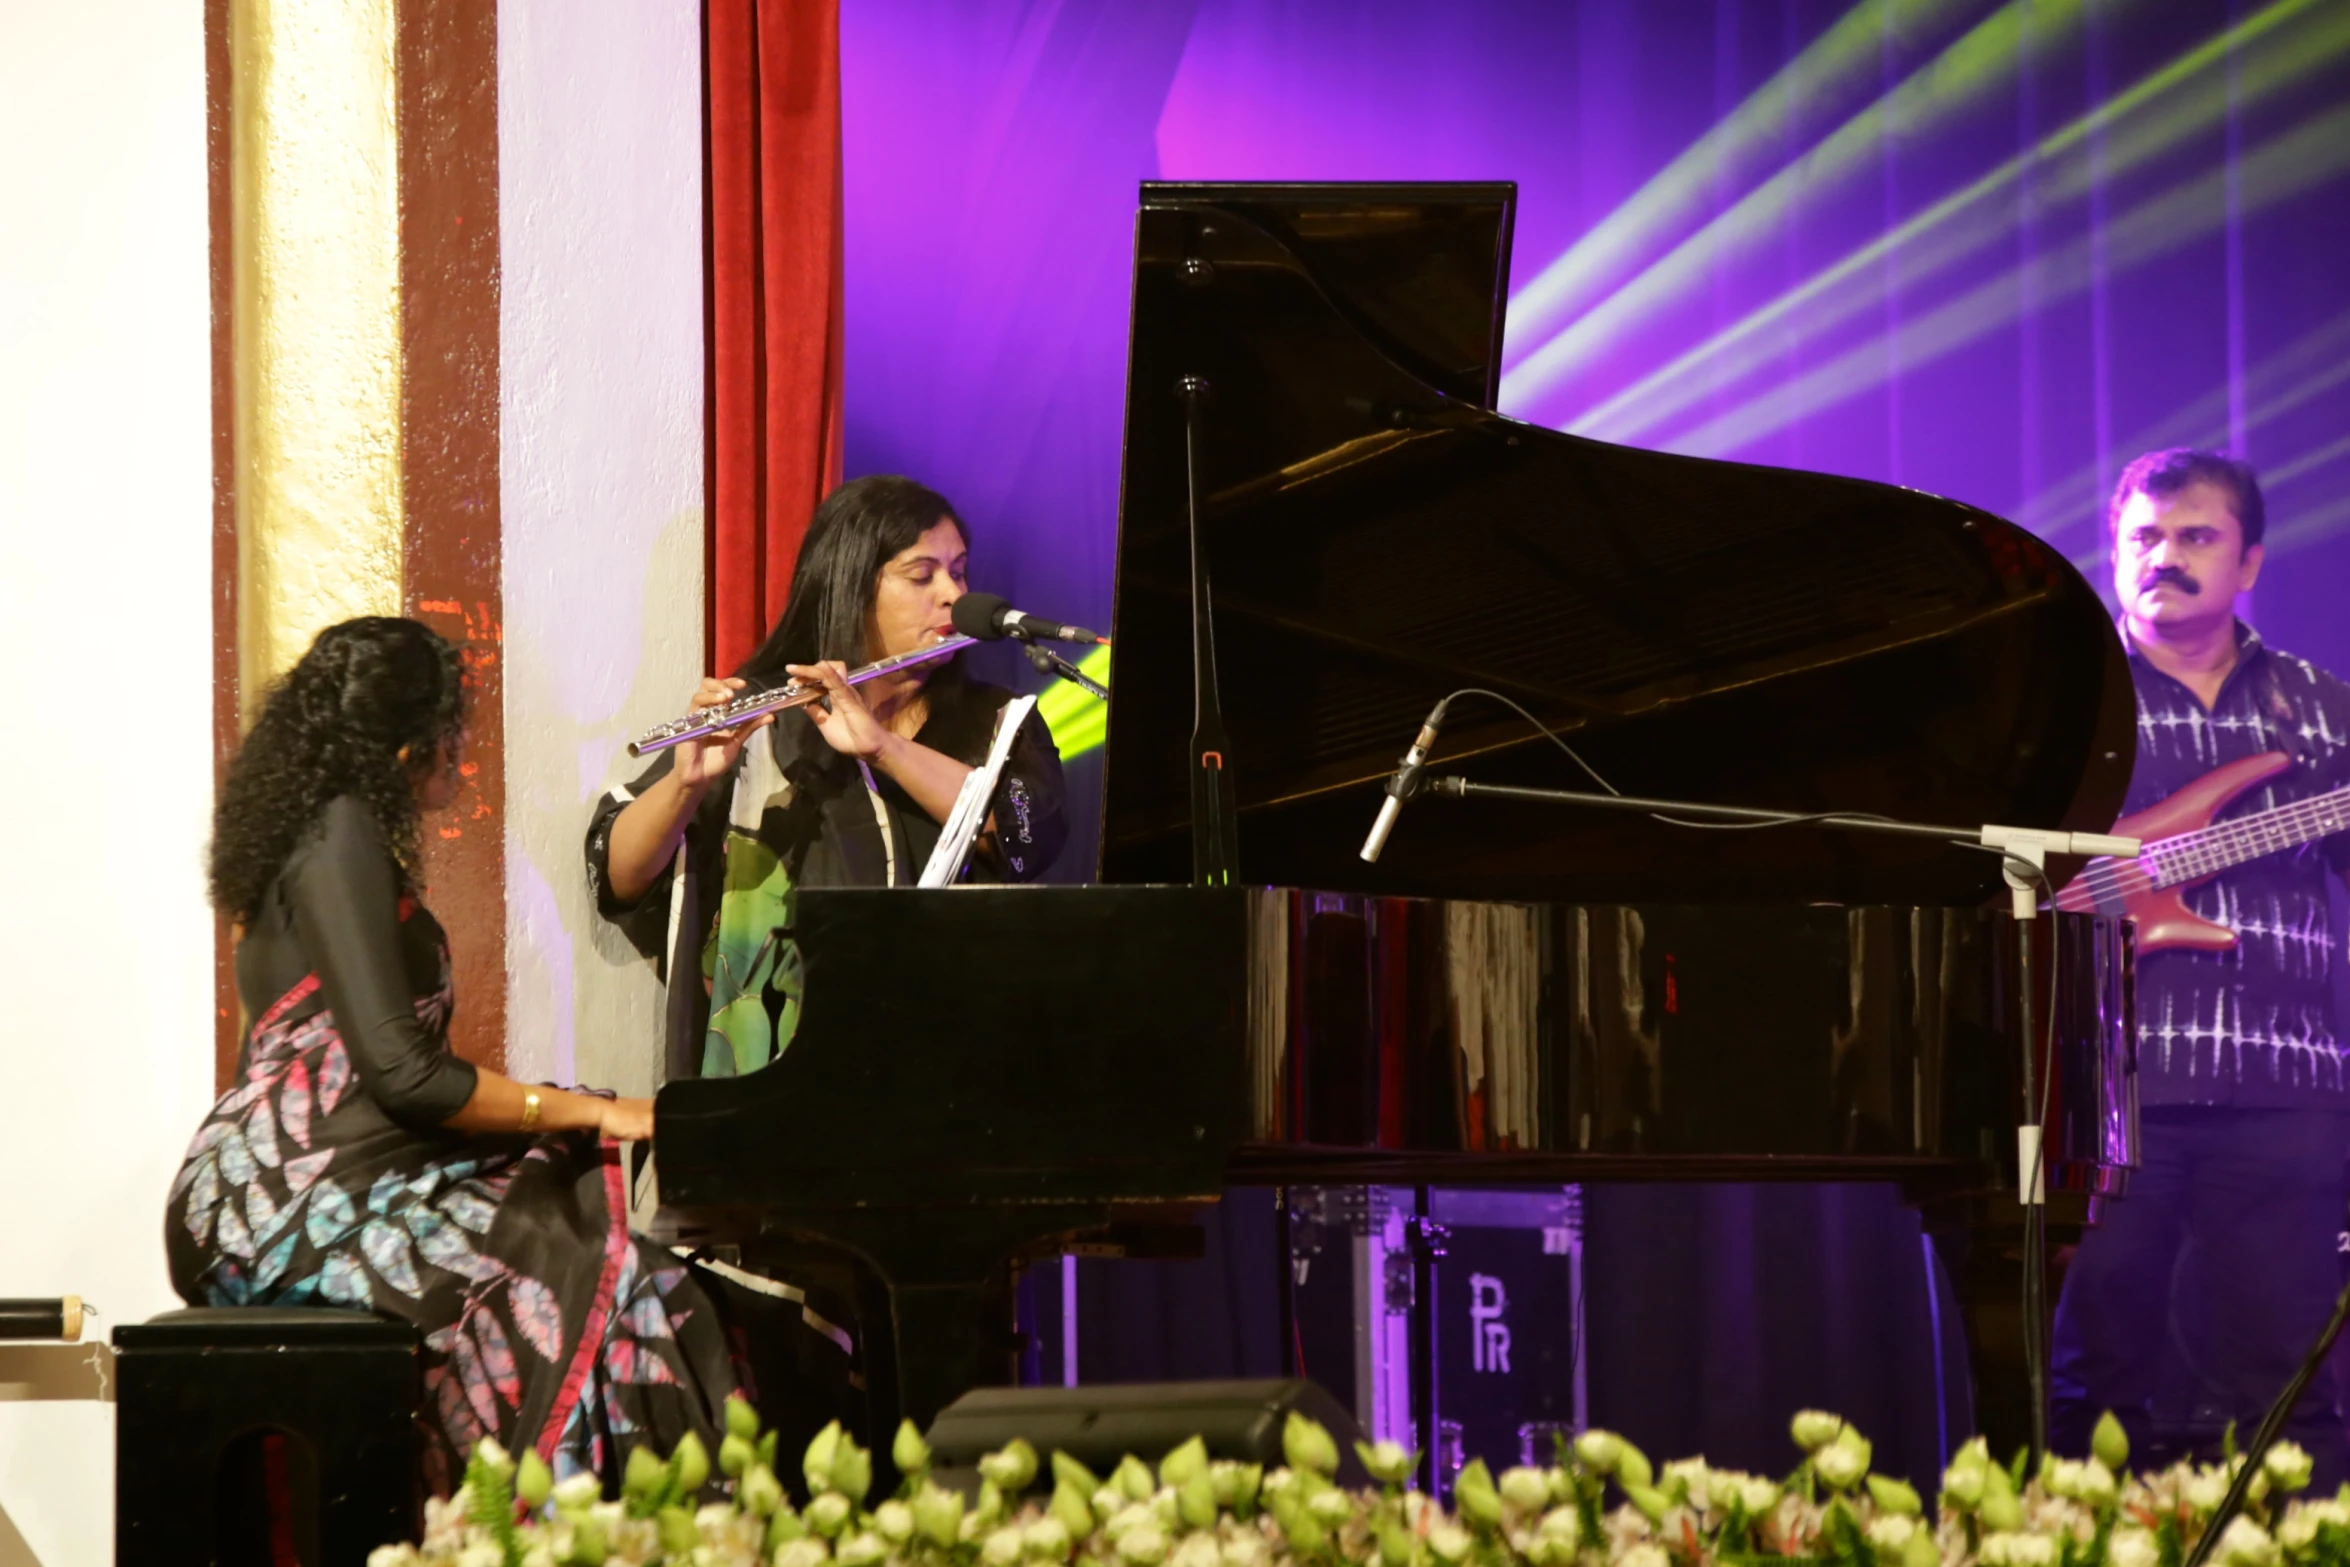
1512,994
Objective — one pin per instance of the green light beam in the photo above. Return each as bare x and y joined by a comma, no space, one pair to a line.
1978,64
2175,103
1839,63
2280,168
1079,720
2314,364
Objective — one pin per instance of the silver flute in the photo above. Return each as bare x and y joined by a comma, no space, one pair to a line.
794,693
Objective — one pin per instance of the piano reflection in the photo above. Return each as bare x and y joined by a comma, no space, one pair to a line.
1511,994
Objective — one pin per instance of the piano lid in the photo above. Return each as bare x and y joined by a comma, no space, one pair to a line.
1376,537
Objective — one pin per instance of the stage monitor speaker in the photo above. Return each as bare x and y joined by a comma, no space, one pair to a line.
1099,1425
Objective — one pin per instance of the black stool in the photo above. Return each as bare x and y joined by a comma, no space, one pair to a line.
254,1434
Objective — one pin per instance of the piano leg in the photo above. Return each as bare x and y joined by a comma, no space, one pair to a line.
1980,1239
941,1275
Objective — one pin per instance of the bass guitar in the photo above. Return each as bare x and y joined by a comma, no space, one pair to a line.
2184,847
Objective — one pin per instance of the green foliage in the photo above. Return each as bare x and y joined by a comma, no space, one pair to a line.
1191,1509
493,1507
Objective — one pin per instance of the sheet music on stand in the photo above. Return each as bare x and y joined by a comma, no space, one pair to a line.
970,812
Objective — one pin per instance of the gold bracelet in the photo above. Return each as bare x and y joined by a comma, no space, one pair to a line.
530,1111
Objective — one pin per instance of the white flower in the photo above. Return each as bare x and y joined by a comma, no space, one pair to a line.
1144,1544
1131,1516
1245,1548
1048,1538
2288,1464
2296,1534
1891,1532
2098,1485
1001,1548
1645,1555
577,1491
2207,1489
1599,1450
1449,1542
1691,1470
1814,1429
1962,1485
2064,1478
481,1553
401,1555
1840,1465
2132,1548
1525,1489
893,1520
867,1549
2246,1544
1108,1502
1389,1463
1332,1507
1757,1495
828,1514
540,1554
801,1553
1197,1550
1561,1523
2008,1549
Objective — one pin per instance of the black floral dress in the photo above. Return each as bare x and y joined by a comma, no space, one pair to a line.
324,1176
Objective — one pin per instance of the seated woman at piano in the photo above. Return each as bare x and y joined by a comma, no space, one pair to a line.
697,859
355,1161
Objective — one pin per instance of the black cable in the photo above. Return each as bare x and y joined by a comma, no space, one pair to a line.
2271,1426
1671,821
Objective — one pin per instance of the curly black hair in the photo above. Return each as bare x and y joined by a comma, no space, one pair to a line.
335,724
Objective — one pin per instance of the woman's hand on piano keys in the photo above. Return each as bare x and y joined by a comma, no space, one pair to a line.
627,1120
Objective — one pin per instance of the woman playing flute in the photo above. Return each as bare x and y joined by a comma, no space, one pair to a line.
697,858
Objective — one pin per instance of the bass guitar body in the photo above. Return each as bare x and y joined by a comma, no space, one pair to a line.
2160,913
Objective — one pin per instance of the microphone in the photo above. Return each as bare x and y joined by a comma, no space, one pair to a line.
991,619
1405,783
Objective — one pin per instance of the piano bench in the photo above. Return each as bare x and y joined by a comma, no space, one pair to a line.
242,1430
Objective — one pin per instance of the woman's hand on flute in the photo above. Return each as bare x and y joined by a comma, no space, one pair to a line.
646,832
704,761
842,718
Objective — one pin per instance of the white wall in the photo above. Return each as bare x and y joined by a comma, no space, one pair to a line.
600,238
105,565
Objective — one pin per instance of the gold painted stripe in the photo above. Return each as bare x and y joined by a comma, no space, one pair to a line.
315,262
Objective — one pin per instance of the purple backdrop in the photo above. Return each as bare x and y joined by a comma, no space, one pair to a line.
1990,251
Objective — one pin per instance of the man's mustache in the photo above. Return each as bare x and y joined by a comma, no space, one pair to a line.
2176,576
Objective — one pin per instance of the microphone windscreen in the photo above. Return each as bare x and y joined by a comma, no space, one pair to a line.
980,615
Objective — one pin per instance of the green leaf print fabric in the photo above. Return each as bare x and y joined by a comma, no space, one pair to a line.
750,962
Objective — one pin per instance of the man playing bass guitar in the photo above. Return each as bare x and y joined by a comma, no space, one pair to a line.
2242,1075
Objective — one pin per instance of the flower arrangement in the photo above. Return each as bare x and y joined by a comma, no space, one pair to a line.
1601,1504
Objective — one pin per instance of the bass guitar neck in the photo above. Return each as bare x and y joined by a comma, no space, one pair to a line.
2185,845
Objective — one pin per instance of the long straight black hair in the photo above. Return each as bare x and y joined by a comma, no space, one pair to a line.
858,529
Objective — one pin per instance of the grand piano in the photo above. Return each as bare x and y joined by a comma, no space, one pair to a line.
1514,993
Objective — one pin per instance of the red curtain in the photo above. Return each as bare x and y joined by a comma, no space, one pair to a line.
773,189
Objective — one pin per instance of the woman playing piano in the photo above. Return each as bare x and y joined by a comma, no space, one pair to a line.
357,1162
698,858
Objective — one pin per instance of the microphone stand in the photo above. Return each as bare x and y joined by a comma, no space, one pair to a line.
2023,855
1047,662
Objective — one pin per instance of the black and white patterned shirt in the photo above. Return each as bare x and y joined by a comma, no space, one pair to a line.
2252,1027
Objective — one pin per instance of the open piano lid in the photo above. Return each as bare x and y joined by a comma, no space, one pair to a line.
1376,537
